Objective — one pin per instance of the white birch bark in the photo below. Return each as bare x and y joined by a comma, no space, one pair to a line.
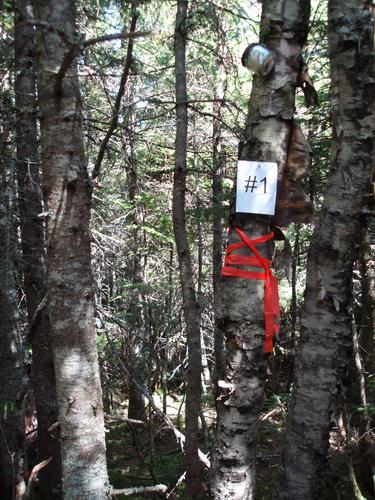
325,344
67,195
266,138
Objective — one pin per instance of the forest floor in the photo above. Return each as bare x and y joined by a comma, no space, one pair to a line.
149,455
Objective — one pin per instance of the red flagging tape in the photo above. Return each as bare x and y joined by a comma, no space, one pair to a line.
271,292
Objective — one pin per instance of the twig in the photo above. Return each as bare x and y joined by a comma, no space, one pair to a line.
38,311
32,431
182,478
115,36
269,414
124,419
33,477
158,488
54,426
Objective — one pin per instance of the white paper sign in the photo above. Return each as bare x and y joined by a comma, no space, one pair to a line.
256,187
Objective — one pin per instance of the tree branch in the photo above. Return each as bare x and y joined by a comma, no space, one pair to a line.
158,488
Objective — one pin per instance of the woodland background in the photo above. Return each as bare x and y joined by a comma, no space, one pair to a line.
129,134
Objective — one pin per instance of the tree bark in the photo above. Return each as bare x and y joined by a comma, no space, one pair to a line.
218,161
136,309
67,196
326,319
190,305
266,138
366,357
12,374
33,254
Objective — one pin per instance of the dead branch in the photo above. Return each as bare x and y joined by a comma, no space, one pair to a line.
123,419
182,478
158,488
38,312
33,477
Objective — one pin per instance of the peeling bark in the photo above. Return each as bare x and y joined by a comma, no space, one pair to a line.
67,196
326,320
266,138
33,253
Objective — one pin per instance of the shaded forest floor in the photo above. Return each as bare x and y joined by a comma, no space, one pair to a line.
149,455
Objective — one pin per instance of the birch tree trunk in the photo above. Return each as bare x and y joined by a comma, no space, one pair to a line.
190,305
67,195
366,355
266,137
326,319
33,253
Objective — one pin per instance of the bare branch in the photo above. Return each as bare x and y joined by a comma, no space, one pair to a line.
38,312
123,419
33,477
181,479
115,36
158,488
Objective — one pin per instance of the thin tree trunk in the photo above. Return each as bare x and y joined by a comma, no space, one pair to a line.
33,254
206,375
293,309
367,318
190,305
12,375
266,138
326,319
67,196
136,409
217,208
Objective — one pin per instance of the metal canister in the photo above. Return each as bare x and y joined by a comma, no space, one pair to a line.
259,59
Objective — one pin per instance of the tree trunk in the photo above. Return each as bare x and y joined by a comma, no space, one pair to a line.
217,207
12,375
136,309
190,305
33,254
326,319
266,138
293,309
367,353
67,196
